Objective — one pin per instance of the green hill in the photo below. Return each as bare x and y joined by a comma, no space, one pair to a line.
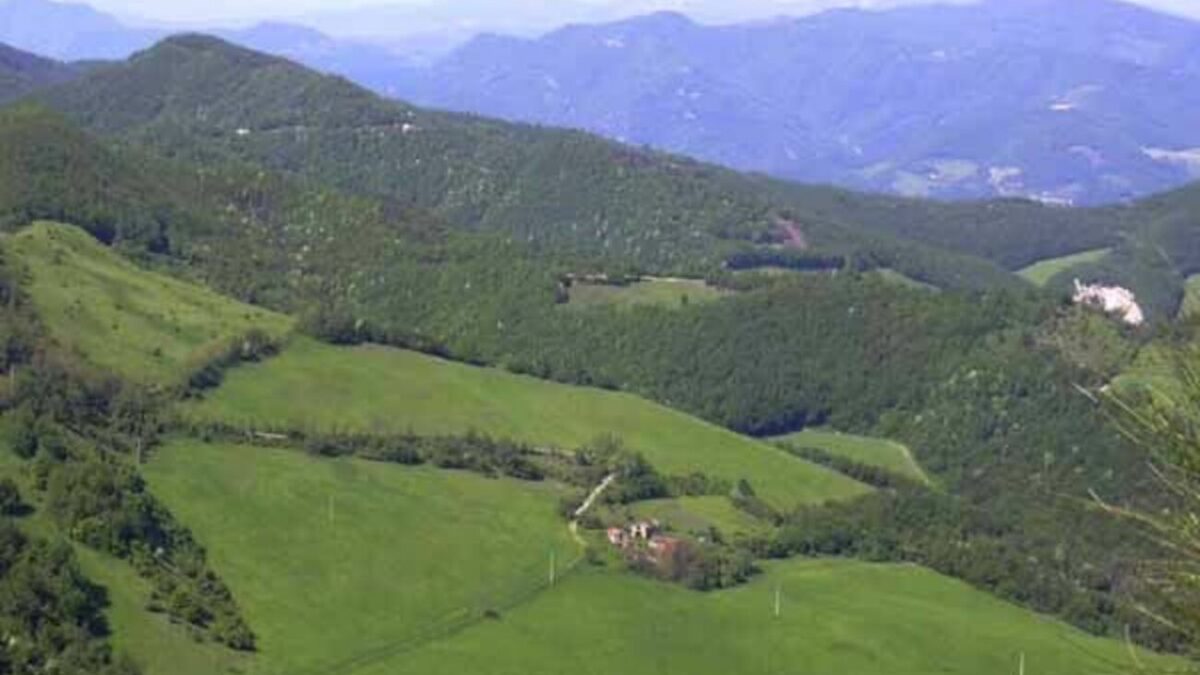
374,389
560,191
138,324
833,617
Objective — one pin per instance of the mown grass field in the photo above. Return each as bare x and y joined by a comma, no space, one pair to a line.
835,617
1041,272
376,389
333,559
651,292
874,451
697,514
138,324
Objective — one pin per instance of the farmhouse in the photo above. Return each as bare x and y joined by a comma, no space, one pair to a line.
644,541
1113,300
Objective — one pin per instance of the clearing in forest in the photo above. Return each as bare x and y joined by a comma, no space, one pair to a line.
1041,272
863,449
668,293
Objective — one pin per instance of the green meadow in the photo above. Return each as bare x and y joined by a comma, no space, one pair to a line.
1041,272
892,276
331,560
135,323
874,451
377,389
833,617
650,292
697,514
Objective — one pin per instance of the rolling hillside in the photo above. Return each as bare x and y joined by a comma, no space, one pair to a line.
600,205
381,390
557,191
398,555
303,193
134,323
833,616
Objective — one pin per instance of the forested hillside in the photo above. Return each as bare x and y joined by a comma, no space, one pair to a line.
21,73
604,206
562,191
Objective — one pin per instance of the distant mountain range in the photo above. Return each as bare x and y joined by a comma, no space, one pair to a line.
21,73
1079,102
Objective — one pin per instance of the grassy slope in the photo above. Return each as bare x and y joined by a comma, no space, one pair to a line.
653,292
381,389
836,617
696,514
874,451
329,559
139,324
1040,273
156,645
895,277
1191,301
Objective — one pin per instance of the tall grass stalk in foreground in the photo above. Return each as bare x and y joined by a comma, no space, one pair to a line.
1165,421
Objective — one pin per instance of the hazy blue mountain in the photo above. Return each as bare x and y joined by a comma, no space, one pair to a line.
73,32
1081,101
69,32
22,72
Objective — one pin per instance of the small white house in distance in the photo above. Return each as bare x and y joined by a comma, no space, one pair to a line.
1114,300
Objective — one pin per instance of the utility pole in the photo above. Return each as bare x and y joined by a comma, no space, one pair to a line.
552,570
778,601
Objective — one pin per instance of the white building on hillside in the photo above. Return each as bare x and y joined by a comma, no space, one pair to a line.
1114,300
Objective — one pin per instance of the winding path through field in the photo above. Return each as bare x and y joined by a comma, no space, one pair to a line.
587,504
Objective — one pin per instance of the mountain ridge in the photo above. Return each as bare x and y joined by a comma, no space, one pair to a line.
887,101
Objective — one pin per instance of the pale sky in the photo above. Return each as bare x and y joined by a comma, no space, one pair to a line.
246,10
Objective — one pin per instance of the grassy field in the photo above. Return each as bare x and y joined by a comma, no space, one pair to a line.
1040,273
697,514
333,559
834,617
155,644
874,451
376,389
892,276
651,292
138,324
1191,300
